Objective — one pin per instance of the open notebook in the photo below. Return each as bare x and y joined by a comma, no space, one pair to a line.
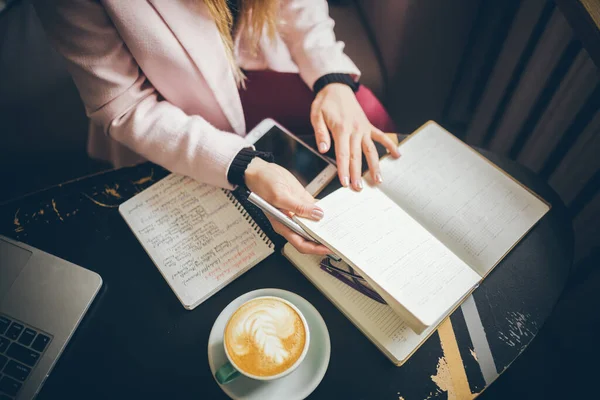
377,321
425,238
199,236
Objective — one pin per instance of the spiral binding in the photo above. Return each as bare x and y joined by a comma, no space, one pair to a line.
246,215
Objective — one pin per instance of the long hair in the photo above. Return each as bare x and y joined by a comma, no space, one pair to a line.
254,17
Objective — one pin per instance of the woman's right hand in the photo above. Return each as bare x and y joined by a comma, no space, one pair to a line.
281,189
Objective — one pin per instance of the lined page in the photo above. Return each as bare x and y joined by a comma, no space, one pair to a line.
370,232
468,204
195,235
377,321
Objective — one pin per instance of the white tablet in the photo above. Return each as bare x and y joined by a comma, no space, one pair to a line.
307,165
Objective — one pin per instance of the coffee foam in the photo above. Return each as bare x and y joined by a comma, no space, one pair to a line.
265,337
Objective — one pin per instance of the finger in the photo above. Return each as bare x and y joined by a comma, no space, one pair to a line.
385,140
302,205
304,197
342,153
372,159
356,160
304,246
322,137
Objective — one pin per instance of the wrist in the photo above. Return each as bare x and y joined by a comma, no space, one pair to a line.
337,86
252,173
255,173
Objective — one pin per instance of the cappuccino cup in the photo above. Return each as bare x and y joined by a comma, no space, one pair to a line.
266,338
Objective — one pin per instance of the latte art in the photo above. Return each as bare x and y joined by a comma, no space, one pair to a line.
265,337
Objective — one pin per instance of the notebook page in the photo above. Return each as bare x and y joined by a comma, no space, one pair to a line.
377,321
471,206
370,232
195,235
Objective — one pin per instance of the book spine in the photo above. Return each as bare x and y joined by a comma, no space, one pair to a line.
261,229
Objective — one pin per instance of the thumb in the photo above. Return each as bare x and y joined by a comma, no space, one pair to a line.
300,206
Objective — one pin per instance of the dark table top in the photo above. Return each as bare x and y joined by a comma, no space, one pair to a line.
138,341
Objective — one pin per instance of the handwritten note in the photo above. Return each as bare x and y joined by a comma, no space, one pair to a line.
468,204
196,236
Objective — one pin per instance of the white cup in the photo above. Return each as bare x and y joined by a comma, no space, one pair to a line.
230,371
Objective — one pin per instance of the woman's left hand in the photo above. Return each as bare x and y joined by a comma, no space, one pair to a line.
336,109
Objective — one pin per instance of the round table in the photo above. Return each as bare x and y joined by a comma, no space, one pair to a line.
137,341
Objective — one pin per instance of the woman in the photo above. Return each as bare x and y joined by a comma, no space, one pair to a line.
164,80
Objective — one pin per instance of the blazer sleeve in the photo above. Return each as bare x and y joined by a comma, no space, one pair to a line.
120,98
307,30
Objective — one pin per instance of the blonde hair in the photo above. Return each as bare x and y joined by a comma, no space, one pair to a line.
254,17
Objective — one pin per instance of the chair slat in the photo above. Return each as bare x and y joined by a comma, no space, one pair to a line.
514,45
548,51
487,35
572,94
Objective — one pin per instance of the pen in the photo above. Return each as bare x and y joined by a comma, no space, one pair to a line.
281,217
278,215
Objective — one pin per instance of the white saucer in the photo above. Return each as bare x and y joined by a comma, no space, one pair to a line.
297,385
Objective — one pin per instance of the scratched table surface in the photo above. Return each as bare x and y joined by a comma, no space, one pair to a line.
137,341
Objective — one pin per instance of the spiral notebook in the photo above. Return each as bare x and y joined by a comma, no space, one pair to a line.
199,237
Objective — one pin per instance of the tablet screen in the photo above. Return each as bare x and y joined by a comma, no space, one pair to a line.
292,155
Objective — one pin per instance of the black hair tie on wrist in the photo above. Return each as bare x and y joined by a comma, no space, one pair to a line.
240,163
335,78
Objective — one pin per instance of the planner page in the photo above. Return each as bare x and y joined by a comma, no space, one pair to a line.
377,321
195,234
394,253
476,210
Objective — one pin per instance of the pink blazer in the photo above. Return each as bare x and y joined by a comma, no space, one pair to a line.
156,83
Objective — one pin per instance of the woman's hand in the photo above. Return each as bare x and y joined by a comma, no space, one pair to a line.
336,109
281,189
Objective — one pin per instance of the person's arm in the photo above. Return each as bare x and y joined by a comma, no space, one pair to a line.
307,31
118,96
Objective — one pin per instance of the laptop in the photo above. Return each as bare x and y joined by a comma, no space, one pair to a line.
42,301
